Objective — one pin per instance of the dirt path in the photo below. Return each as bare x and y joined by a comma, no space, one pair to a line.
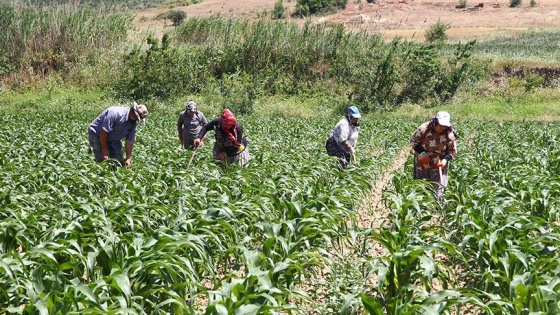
372,212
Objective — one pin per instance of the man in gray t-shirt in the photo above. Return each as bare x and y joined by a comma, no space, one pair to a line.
189,124
114,124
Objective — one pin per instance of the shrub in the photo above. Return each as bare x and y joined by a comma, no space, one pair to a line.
514,3
533,81
161,71
239,93
306,7
437,33
176,16
279,12
462,4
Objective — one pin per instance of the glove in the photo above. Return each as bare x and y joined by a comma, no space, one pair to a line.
241,148
442,163
352,151
424,159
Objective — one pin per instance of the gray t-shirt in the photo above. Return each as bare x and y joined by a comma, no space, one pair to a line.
115,121
190,125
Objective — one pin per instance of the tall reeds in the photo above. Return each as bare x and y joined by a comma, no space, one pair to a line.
40,39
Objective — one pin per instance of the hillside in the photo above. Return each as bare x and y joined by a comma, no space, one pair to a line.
404,18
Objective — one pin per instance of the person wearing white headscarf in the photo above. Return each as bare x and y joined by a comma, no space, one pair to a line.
434,145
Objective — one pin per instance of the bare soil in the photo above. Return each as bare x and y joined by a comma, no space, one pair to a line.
404,18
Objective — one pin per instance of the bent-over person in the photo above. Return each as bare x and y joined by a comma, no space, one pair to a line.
110,127
344,137
230,145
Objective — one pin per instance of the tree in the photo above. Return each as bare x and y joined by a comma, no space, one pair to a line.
176,16
306,7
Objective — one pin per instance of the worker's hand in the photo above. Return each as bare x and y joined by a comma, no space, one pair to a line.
441,163
196,142
127,162
241,148
353,157
424,158
105,155
352,151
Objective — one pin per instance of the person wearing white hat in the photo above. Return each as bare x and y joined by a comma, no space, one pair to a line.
434,145
344,137
189,124
110,127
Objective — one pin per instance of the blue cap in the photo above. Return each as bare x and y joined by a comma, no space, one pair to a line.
354,112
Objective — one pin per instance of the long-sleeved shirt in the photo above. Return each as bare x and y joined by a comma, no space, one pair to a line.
222,143
437,145
345,134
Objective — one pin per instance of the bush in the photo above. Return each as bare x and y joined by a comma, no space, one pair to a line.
306,7
279,12
176,16
462,4
239,93
162,71
514,3
437,33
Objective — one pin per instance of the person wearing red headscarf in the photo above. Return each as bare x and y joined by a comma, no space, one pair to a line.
230,145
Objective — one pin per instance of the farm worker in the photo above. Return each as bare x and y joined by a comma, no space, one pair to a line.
230,145
434,147
110,127
344,137
189,124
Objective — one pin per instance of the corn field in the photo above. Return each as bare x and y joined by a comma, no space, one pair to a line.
78,237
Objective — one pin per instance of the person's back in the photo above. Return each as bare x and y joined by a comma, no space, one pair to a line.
114,124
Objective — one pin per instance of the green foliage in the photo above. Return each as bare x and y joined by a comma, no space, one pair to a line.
533,3
307,7
519,50
431,81
284,59
534,81
238,93
42,40
94,239
437,32
462,4
374,82
279,11
176,16
160,71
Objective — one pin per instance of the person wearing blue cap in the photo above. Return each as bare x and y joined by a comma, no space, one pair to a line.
344,137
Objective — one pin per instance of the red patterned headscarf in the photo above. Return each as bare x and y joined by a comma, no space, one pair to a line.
230,134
